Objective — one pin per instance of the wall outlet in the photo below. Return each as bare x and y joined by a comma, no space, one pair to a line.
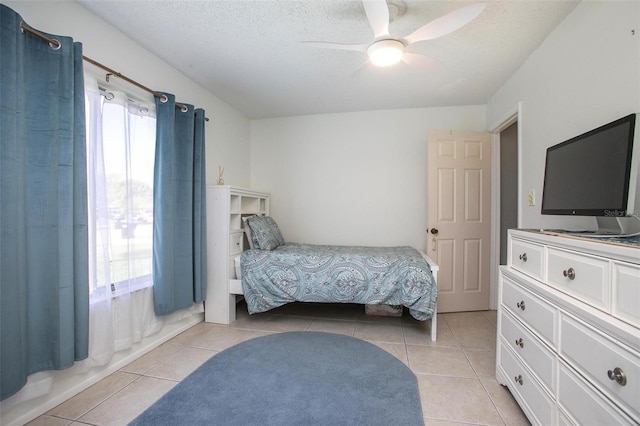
532,197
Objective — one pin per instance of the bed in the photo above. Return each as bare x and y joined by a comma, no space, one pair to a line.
274,273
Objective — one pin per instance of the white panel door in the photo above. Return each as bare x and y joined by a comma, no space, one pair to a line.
459,217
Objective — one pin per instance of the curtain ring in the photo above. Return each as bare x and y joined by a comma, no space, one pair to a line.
163,99
55,46
109,96
144,110
184,108
53,43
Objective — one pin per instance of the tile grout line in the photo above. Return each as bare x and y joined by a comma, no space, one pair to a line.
59,416
493,403
107,399
476,373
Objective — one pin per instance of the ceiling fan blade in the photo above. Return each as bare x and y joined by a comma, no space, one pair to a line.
422,61
338,46
446,24
378,14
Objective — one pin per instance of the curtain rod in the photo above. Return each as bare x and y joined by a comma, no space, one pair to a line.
56,44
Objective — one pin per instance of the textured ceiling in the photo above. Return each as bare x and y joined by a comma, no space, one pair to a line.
249,52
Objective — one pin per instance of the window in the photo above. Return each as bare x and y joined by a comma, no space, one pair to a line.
120,156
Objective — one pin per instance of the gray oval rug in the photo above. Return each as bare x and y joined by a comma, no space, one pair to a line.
295,378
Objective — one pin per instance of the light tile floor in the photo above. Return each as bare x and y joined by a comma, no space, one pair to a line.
455,373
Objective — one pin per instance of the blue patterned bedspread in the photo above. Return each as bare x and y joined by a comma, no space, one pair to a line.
344,274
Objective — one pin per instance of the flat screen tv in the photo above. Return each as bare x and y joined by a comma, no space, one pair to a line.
596,174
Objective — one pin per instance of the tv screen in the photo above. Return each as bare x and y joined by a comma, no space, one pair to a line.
589,175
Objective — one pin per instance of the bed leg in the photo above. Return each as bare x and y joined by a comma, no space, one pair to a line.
434,323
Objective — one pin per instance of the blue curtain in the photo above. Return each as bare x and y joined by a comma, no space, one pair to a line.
179,228
44,300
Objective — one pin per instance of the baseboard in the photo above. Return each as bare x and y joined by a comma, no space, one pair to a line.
69,383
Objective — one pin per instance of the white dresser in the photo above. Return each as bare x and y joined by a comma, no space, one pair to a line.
568,345
226,206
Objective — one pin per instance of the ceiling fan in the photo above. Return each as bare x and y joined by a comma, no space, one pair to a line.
386,50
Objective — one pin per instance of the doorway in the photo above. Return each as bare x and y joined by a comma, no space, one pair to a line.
508,185
506,138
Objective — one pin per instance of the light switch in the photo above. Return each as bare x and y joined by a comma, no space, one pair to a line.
532,197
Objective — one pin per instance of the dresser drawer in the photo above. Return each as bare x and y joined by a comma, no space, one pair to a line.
529,394
235,243
527,258
532,351
531,310
585,277
585,404
594,355
626,293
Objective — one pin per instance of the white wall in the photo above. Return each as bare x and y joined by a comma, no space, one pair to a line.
352,178
228,131
585,74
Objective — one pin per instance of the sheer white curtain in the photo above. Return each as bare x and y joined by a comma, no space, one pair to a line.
101,340
120,144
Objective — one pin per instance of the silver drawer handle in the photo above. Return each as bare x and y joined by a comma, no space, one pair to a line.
518,378
618,376
520,304
569,273
523,257
520,342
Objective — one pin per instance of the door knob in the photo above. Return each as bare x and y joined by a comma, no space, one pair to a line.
434,231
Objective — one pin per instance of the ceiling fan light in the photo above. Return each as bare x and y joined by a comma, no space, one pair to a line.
385,53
